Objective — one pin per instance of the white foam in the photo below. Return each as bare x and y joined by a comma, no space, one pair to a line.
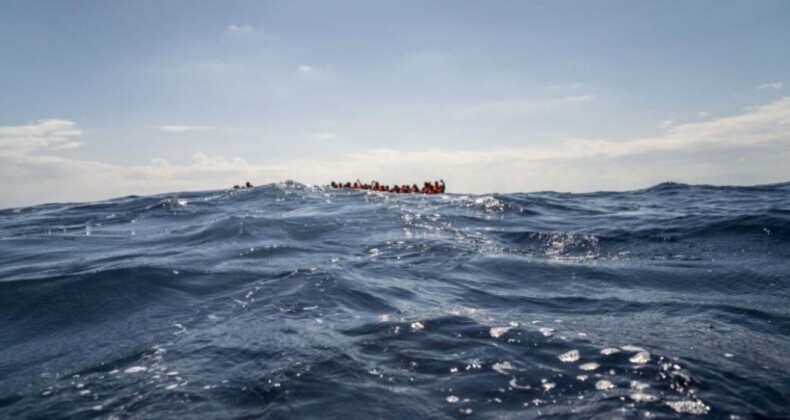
640,358
689,407
502,367
589,366
417,326
513,383
546,331
452,399
632,348
569,357
603,385
642,397
497,332
609,350
136,369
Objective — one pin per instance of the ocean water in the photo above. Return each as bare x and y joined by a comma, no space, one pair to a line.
294,301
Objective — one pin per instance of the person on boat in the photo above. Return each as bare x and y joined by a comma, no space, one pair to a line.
248,185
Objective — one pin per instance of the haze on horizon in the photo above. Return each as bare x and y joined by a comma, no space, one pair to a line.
105,99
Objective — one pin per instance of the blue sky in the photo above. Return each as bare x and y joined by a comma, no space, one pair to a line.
102,99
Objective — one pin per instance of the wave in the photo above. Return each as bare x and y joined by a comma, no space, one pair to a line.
298,300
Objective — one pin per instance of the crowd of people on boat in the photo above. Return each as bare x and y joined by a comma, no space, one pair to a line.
247,185
436,187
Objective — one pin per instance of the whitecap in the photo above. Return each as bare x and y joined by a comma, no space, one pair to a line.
603,385
513,383
570,356
136,369
502,367
609,350
642,397
689,407
589,366
640,358
497,332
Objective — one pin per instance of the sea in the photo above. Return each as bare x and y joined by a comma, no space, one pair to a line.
298,301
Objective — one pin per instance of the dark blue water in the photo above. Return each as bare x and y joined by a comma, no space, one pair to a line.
292,301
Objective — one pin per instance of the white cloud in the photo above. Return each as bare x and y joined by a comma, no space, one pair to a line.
305,69
51,134
567,86
518,107
324,136
774,85
184,128
203,160
753,147
242,30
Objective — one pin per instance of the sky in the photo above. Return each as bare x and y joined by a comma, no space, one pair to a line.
104,99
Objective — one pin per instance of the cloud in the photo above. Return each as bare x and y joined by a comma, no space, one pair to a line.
519,107
305,69
184,128
667,122
324,136
240,31
48,134
774,85
753,147
203,160
566,86
703,114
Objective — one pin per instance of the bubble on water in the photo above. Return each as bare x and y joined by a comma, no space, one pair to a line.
136,369
609,350
689,407
452,399
589,366
497,332
570,356
603,385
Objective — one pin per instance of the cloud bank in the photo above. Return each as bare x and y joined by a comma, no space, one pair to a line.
744,149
